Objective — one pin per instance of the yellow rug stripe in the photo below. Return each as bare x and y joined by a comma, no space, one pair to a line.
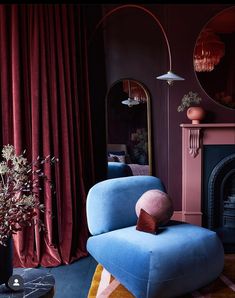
95,282
120,292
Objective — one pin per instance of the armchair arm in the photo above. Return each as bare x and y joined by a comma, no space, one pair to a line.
111,203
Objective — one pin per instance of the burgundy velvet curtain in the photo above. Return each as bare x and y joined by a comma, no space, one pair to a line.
45,109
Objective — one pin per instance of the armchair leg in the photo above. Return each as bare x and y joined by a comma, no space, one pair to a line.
105,287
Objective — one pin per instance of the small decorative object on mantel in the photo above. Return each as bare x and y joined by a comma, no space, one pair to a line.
194,113
20,184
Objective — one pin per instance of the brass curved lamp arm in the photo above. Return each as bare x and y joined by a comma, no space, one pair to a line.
169,76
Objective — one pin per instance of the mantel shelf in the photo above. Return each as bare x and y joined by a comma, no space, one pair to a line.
205,125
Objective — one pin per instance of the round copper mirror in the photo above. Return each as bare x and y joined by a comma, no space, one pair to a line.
214,60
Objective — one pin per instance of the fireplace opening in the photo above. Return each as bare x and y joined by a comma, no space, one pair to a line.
229,212
219,200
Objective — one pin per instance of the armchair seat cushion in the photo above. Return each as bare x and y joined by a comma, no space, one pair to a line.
181,258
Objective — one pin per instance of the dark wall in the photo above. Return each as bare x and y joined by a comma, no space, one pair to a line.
135,48
98,88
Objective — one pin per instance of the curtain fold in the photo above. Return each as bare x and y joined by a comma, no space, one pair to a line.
45,109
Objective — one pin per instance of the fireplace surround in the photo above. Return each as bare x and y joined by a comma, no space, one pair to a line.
206,200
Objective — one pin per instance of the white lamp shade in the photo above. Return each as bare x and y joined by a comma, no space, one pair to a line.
130,102
170,77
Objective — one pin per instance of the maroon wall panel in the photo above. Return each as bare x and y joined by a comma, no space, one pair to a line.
135,48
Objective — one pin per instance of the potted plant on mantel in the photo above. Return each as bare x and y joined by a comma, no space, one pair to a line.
194,113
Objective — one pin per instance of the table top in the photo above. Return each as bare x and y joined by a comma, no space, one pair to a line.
36,283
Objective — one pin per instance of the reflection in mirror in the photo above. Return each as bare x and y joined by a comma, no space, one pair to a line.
128,126
214,60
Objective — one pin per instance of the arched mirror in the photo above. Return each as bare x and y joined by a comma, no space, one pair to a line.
214,60
128,126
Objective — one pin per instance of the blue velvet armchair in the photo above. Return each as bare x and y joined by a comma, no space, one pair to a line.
179,259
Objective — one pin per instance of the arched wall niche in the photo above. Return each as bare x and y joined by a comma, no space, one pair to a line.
133,35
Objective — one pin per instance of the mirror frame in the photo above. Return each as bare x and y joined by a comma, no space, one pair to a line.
148,97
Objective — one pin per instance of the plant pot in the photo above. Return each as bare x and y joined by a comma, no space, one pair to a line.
6,265
196,114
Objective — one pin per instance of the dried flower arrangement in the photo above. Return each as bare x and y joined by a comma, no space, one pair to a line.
188,100
20,183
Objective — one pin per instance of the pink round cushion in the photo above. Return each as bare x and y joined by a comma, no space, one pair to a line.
156,203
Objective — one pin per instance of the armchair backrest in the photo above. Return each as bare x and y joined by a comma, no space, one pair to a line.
111,203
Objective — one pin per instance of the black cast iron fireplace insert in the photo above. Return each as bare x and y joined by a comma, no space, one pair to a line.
219,193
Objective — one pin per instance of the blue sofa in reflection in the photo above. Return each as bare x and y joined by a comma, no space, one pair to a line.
118,169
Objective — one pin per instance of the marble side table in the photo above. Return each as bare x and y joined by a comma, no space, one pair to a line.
37,283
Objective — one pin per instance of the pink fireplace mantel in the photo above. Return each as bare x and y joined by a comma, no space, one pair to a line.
194,136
